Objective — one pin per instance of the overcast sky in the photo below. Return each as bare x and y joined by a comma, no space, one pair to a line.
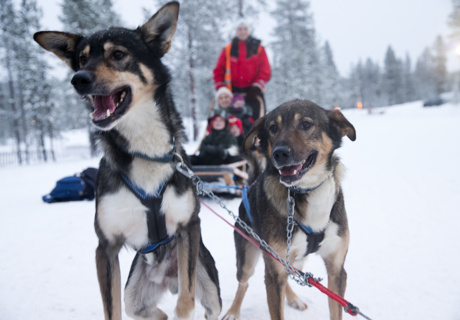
355,29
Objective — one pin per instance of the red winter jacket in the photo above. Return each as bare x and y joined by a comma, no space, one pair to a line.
249,65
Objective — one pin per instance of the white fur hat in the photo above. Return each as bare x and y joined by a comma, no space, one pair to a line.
243,22
222,90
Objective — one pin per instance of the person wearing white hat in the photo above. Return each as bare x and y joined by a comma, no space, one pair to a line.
243,67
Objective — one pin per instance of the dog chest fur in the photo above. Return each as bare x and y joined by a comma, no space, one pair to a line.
121,214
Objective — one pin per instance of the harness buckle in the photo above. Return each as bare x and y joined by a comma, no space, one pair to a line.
183,169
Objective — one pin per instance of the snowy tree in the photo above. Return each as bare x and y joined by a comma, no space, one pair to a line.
86,17
330,89
295,66
409,93
424,75
454,20
440,69
8,39
193,55
392,78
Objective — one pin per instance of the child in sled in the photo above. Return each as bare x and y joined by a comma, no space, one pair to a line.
219,146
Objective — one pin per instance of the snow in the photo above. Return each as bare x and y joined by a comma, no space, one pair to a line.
401,191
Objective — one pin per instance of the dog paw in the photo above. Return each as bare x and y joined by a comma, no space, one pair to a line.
231,317
191,316
298,304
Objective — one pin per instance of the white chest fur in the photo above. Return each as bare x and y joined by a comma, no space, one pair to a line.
121,214
320,203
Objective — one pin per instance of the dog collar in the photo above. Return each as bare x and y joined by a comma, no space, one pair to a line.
168,157
296,190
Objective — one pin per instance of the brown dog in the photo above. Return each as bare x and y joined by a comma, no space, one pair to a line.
298,139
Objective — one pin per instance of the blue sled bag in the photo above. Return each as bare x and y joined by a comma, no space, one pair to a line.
73,188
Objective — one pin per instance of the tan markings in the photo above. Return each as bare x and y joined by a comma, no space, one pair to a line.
108,47
86,51
186,301
297,116
277,193
275,284
251,256
337,276
147,73
279,119
269,148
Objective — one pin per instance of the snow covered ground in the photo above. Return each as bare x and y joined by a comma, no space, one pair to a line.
402,193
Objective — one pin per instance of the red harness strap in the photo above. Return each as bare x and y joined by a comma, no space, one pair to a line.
350,308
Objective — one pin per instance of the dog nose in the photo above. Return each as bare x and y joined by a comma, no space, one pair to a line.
82,80
282,154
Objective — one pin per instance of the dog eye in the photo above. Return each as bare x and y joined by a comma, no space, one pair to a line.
118,55
273,128
306,125
83,60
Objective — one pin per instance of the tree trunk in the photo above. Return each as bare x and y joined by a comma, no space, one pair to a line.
12,99
192,89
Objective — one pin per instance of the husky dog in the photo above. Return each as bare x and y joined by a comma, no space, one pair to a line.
298,140
141,200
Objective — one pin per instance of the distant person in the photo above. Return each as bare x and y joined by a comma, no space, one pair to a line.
243,67
229,104
219,146
235,126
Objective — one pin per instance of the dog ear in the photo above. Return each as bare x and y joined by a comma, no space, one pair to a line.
161,27
253,134
344,127
62,44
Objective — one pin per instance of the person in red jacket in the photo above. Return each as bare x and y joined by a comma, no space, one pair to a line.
243,67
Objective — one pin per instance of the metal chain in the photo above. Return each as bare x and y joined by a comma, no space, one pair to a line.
290,205
298,276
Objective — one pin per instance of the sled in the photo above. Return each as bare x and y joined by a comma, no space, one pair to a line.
225,178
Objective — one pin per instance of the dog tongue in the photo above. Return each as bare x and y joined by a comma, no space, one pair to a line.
101,105
290,170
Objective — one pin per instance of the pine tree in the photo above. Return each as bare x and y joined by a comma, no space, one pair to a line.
393,78
193,55
408,81
8,40
425,75
86,17
440,69
454,20
295,66
330,95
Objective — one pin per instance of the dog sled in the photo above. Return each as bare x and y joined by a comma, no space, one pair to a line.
225,178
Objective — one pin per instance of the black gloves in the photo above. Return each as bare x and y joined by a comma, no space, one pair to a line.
253,92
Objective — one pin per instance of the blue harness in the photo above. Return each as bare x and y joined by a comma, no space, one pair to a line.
156,222
313,238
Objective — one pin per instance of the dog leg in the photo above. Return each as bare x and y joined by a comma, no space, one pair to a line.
208,290
246,261
275,283
187,255
108,273
144,288
293,300
337,278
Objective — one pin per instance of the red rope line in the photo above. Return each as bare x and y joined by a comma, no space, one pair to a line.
331,294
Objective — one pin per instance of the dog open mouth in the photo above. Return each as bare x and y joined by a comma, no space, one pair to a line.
111,107
290,174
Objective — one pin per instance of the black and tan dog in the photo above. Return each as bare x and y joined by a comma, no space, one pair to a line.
298,139
141,201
